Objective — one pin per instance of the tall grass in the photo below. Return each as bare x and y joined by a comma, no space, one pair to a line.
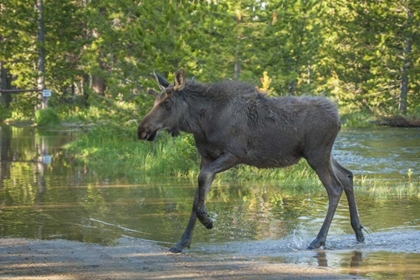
46,116
114,151
380,187
117,151
356,118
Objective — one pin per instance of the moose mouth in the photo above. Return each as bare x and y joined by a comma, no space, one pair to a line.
174,132
150,137
144,135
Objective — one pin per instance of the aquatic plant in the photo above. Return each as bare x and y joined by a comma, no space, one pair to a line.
409,174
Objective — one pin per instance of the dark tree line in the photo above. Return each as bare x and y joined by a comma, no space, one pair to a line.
364,53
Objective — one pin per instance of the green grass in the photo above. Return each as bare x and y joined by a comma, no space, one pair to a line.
381,187
356,118
117,152
114,152
46,116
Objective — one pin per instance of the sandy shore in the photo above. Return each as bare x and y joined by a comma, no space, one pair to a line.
137,259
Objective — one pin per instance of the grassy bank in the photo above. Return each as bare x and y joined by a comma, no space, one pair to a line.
108,143
111,148
116,152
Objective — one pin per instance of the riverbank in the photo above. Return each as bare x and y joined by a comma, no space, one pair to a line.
138,259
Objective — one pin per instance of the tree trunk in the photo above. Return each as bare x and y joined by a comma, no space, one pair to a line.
5,83
237,70
41,53
98,84
404,86
402,106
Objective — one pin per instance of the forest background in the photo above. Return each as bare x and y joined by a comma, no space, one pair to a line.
98,55
97,58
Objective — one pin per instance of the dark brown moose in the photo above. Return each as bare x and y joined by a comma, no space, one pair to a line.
233,124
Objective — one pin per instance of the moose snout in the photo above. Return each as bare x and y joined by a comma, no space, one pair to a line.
141,134
146,134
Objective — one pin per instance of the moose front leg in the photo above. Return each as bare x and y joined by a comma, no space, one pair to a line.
205,178
186,237
204,183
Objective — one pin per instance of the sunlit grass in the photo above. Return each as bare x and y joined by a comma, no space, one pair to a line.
351,117
386,187
115,152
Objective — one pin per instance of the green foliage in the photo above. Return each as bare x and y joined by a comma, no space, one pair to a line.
296,174
165,157
46,116
374,47
362,53
124,154
4,112
356,118
22,108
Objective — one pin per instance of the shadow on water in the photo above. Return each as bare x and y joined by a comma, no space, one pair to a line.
44,194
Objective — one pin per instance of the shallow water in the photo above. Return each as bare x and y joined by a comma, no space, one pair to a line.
45,195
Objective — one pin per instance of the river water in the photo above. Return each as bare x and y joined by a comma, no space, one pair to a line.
44,194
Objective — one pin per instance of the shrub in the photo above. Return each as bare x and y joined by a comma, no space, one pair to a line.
46,117
4,112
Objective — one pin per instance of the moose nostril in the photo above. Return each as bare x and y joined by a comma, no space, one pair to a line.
141,134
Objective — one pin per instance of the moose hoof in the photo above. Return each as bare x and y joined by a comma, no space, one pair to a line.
175,250
209,224
316,244
360,237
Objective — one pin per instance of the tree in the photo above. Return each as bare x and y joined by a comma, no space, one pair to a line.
364,53
293,42
373,48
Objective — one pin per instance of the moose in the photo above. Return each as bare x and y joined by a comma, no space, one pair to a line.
233,123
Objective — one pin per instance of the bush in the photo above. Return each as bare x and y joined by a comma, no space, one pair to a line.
46,117
4,112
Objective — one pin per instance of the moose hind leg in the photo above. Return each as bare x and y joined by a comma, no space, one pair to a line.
323,168
346,178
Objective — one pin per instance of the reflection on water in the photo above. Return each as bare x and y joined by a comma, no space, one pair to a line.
385,152
44,194
369,264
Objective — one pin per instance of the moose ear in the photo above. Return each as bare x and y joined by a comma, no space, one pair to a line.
152,92
179,83
162,82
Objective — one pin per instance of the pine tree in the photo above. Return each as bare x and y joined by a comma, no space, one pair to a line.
373,51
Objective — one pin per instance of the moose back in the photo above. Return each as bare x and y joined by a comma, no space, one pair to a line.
232,123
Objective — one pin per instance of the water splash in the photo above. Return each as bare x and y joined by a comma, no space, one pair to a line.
367,231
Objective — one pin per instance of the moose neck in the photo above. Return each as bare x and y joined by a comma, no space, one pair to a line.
205,103
201,101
